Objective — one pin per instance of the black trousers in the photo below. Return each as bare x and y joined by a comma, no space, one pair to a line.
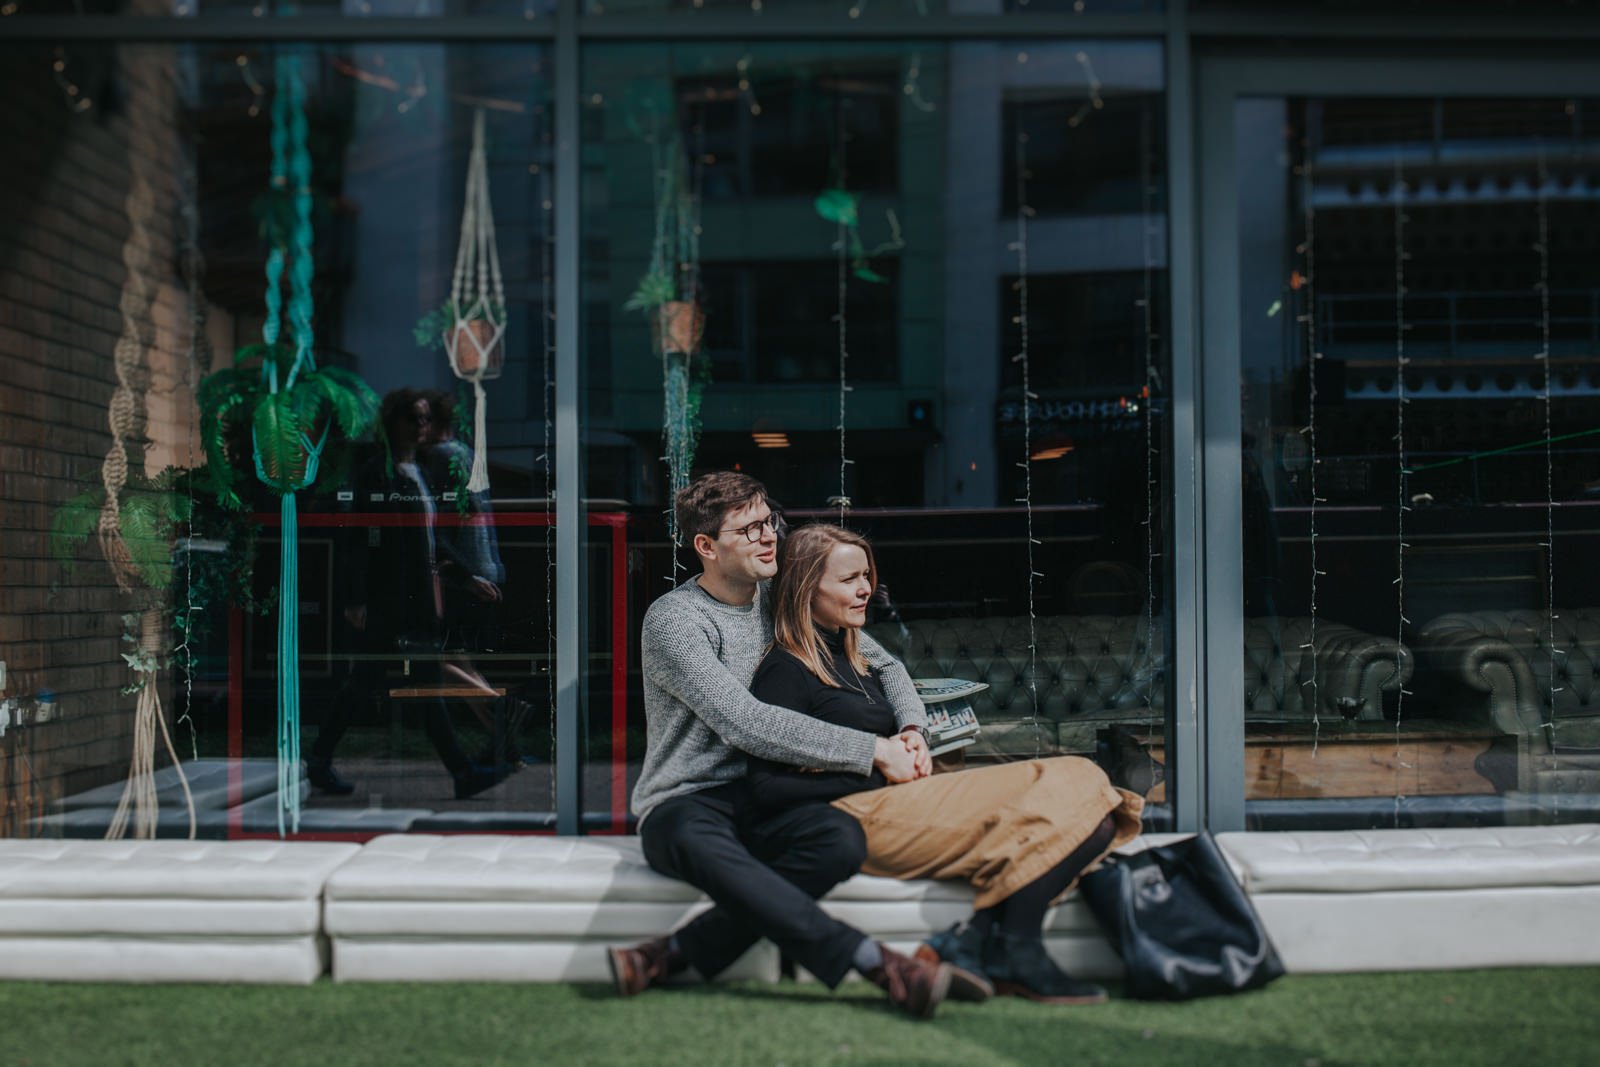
366,678
765,877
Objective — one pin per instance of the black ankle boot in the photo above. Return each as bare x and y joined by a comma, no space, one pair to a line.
1020,967
477,777
322,776
961,947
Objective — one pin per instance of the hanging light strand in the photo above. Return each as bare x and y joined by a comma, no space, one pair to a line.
73,96
547,321
1308,318
1402,480
843,238
1150,232
193,263
1020,246
1543,249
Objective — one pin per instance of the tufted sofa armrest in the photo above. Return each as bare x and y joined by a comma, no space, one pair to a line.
1352,668
1479,673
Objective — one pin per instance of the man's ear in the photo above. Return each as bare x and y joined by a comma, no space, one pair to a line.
704,547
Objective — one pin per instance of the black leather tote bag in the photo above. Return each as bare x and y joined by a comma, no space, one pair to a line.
1182,924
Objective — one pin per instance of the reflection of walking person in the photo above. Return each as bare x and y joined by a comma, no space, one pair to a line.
471,577
393,598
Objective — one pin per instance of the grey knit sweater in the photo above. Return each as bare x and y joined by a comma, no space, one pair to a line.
699,656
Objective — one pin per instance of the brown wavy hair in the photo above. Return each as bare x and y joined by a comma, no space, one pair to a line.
802,560
702,505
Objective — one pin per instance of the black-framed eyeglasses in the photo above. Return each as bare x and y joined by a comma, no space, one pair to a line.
753,531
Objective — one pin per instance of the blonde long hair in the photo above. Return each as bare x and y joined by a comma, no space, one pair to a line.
802,560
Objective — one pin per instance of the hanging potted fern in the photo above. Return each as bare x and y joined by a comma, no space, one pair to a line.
471,325
480,341
289,405
669,292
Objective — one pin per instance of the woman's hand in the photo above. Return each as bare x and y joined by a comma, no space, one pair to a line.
897,762
917,745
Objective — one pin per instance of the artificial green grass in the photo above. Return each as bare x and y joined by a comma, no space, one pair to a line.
1527,1017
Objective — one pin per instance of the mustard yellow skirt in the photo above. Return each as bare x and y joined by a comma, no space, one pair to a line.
997,828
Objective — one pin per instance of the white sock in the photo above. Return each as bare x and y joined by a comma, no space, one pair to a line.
868,957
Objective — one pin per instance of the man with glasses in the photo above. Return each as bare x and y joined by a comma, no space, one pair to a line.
701,645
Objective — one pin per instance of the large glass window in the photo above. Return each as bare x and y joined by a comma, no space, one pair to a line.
241,10
1420,310
920,289
233,275
867,9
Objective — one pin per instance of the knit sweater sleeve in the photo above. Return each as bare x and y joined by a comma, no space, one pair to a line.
680,657
902,693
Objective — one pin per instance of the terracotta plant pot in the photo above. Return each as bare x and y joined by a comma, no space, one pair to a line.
475,343
677,327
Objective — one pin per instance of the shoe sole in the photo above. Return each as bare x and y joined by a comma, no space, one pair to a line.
614,960
937,993
965,985
1011,989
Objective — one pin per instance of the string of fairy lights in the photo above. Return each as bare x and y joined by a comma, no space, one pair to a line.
1151,231
843,283
1308,318
76,100
1023,357
547,349
1402,471
1542,248
193,265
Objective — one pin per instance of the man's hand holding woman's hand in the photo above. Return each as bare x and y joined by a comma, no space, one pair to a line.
912,738
897,762
902,758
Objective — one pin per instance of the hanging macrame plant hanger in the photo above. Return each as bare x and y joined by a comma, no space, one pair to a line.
474,338
286,459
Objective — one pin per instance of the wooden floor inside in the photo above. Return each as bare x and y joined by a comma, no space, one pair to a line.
1339,759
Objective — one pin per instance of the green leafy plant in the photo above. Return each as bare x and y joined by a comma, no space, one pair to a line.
432,327
655,288
150,510
673,275
668,292
288,410
161,520
843,208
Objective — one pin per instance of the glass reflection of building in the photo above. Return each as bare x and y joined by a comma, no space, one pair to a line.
1052,408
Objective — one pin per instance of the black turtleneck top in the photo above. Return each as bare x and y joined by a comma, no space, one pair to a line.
857,702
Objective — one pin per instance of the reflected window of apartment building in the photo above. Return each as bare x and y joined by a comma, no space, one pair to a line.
774,322
1075,166
764,133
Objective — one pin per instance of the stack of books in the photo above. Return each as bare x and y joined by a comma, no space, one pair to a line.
952,723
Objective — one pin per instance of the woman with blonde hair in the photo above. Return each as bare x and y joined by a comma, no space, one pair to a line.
1020,833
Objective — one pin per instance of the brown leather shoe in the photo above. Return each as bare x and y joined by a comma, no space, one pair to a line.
633,970
915,986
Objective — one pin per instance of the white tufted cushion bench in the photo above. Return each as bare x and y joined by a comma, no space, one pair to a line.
542,909
178,911
500,908
1424,899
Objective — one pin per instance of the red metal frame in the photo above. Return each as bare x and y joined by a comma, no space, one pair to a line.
616,520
